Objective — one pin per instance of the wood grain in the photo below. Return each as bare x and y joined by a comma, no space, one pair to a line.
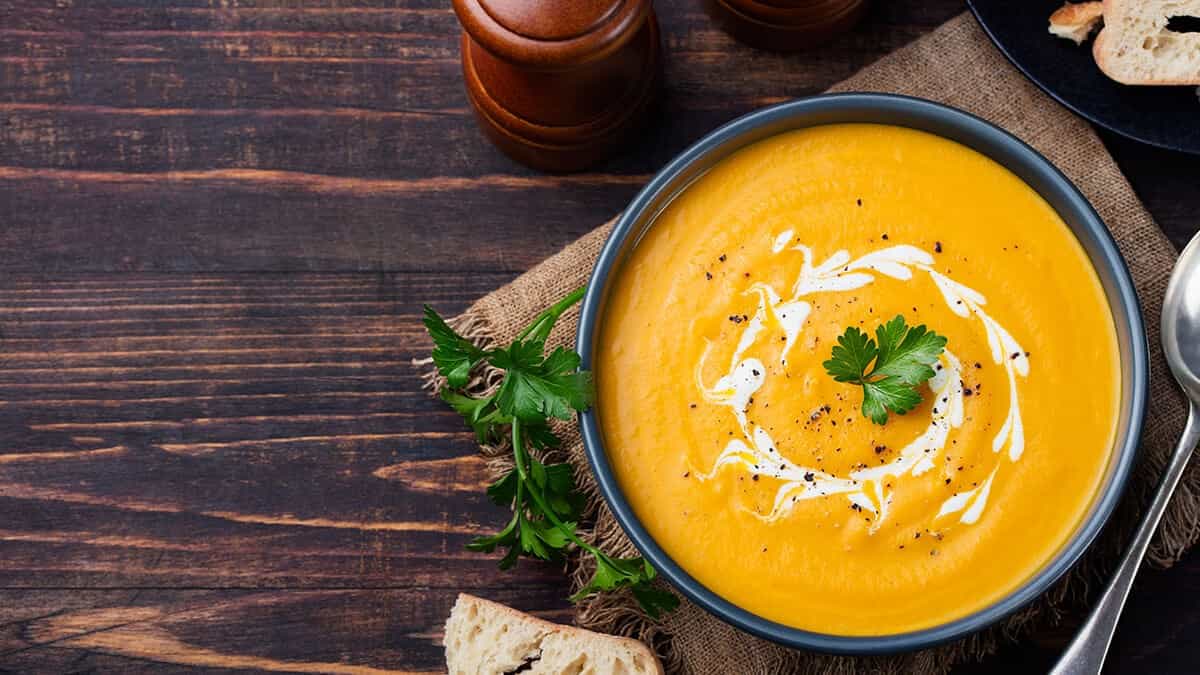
218,221
353,632
268,418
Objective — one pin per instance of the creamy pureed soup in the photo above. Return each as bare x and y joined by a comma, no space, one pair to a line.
759,474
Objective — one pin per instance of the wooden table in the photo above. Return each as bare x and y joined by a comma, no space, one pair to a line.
217,226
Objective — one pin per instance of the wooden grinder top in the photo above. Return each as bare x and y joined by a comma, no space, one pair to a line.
559,85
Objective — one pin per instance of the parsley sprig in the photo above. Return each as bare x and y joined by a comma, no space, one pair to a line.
903,359
543,497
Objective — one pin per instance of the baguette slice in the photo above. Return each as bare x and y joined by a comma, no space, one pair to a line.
487,638
1135,47
1076,21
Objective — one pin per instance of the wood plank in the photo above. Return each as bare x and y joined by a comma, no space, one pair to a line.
160,222
233,431
343,142
372,632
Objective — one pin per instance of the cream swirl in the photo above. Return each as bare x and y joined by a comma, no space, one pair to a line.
871,488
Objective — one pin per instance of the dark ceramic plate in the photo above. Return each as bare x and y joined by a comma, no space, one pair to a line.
1168,117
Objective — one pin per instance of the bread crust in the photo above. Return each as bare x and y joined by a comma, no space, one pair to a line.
549,631
1100,56
1075,21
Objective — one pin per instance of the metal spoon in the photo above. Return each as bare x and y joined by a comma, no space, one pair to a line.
1181,344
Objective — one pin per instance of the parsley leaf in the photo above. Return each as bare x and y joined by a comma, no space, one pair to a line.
480,414
504,491
535,388
541,437
903,359
635,574
453,354
654,600
907,353
888,394
545,502
851,356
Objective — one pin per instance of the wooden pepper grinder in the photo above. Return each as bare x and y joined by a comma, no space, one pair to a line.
559,85
785,25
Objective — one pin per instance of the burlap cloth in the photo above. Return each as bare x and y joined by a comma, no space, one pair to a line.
956,65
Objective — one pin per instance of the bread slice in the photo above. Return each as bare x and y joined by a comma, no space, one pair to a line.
1076,21
487,638
1135,47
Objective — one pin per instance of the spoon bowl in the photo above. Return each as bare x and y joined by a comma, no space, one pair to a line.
1181,320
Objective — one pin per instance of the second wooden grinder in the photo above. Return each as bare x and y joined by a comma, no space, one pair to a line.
785,25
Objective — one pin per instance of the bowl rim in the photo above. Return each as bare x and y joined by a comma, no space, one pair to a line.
1106,258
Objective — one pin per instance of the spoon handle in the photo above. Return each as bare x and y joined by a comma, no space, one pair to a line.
1086,654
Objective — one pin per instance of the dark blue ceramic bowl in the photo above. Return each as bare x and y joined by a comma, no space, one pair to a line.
949,123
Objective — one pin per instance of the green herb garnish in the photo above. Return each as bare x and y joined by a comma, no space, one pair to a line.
903,359
543,497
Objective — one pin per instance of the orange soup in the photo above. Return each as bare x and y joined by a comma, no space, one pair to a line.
760,475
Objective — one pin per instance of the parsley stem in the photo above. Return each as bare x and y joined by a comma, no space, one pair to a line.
520,455
517,502
540,328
